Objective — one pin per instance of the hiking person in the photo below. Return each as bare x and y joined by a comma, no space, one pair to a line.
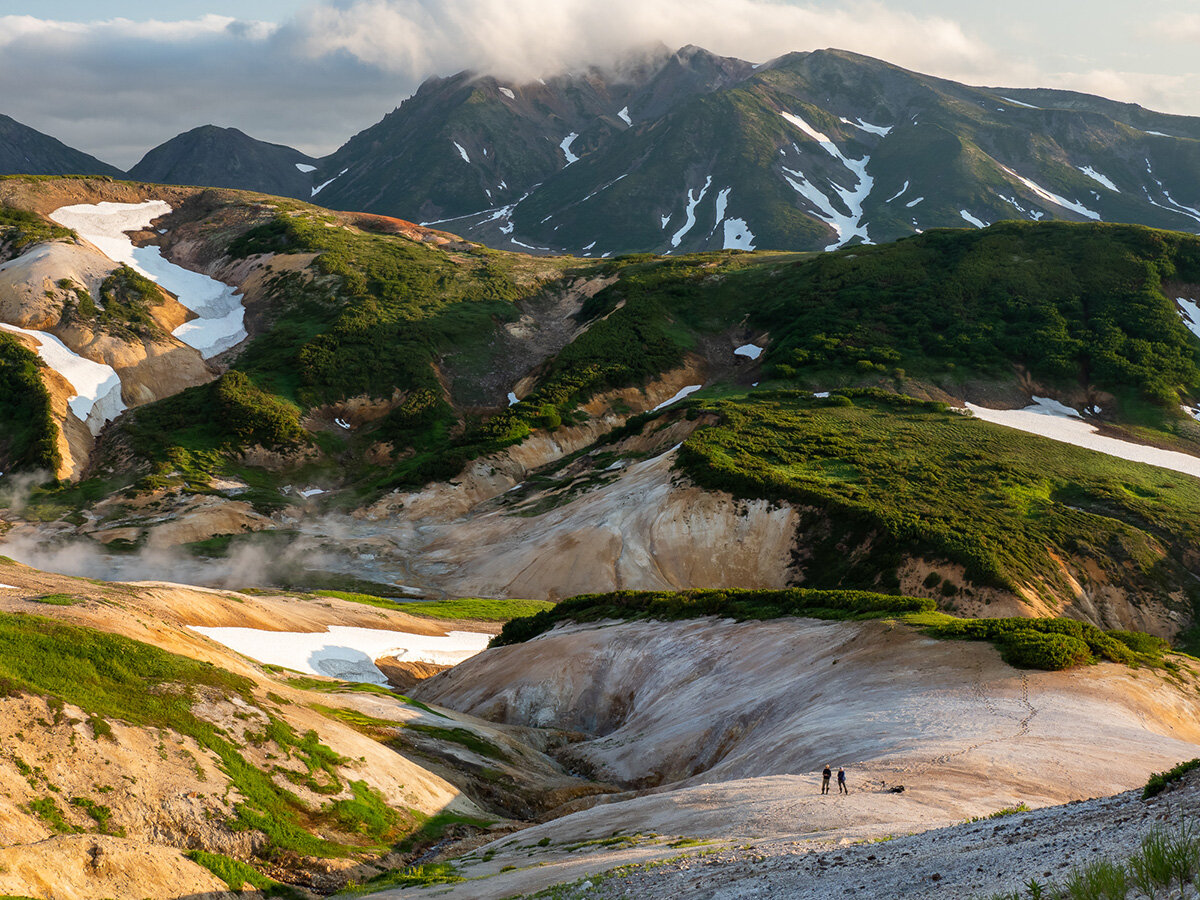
842,789
825,776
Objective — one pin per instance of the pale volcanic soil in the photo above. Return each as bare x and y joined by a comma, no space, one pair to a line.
725,726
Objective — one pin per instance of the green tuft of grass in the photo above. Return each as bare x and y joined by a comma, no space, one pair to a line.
57,600
482,609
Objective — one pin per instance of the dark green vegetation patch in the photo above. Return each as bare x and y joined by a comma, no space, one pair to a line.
1050,644
669,606
1053,644
1159,780
28,432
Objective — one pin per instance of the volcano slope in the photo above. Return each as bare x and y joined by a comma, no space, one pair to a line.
719,729
142,759
415,410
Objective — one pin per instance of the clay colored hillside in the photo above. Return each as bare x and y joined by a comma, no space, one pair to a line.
719,730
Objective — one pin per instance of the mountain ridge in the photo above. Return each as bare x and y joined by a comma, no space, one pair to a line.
688,151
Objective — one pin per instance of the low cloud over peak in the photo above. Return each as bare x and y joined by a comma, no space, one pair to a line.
117,87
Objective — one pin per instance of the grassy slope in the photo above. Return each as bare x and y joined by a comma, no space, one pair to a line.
899,477
111,677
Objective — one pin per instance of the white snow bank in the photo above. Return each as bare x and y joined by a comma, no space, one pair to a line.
738,235
751,351
897,194
1019,103
623,115
320,187
508,93
911,203
9,587
846,226
565,147
1096,176
346,653
692,202
1050,197
684,392
1053,420
881,130
1189,311
311,492
220,324
461,151
513,399
971,219
306,168
97,397
342,423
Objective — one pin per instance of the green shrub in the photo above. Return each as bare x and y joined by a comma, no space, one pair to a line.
1045,651
1159,781
728,603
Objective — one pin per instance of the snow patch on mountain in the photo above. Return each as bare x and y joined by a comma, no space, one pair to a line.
684,392
508,93
306,168
1019,103
323,185
1051,197
971,219
461,151
513,399
911,203
97,397
738,235
846,226
1051,419
693,200
623,115
881,130
220,323
897,194
665,221
1096,176
1189,311
565,147
750,351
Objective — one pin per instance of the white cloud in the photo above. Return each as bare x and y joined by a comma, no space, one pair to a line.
522,39
117,87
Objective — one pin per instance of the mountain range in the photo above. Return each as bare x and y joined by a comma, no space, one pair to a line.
691,151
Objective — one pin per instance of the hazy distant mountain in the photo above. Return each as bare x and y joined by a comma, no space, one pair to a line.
24,151
226,157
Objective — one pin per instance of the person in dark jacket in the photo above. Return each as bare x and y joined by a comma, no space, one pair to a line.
842,789
825,776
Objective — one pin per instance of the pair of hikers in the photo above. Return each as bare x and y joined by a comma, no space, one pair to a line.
841,780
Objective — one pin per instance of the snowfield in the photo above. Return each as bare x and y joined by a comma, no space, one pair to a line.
750,351
1189,311
684,392
219,325
1050,197
97,387
344,652
847,226
1053,420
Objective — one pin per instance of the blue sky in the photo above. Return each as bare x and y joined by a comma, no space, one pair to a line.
116,77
